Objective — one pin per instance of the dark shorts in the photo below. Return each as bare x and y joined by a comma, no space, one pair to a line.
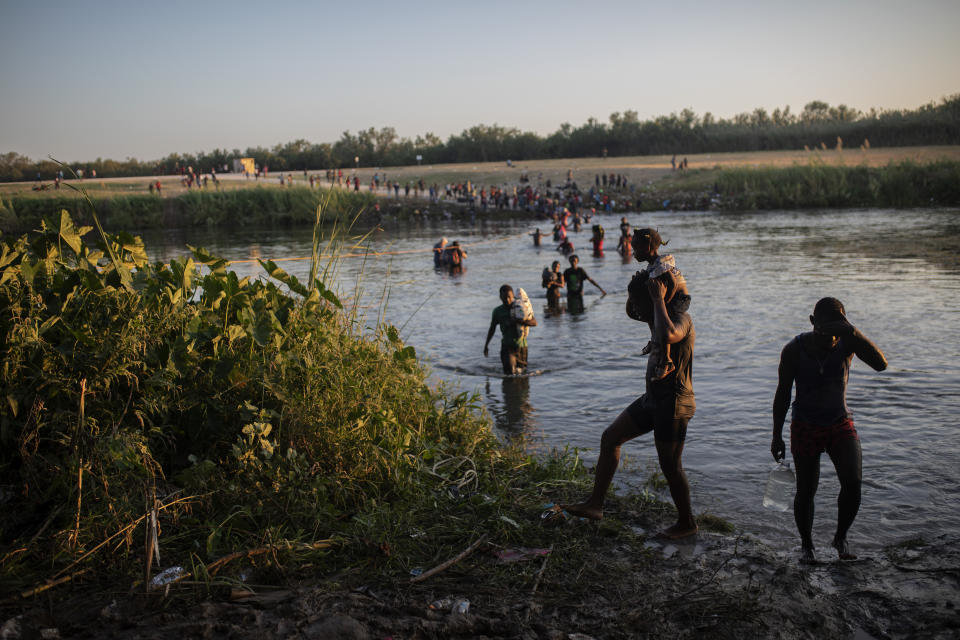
513,359
807,439
665,426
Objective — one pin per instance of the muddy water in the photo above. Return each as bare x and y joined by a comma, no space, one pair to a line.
754,279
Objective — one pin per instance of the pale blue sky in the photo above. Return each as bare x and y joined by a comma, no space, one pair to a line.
81,80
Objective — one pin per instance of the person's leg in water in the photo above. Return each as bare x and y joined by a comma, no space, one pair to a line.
623,429
808,479
669,454
575,302
847,460
508,358
521,359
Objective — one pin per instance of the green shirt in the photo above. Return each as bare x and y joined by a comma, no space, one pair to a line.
508,327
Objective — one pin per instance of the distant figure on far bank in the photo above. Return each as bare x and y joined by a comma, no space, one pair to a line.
818,362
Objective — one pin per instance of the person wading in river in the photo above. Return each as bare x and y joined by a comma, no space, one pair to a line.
513,345
665,408
819,363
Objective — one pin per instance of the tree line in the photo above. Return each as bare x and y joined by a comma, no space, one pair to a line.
818,124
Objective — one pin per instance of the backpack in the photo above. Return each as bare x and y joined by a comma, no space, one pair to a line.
598,231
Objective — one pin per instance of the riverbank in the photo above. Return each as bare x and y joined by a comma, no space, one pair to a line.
321,497
909,177
607,580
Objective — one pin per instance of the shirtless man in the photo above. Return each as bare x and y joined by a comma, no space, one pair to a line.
665,409
819,363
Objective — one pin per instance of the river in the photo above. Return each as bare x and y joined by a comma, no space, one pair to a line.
754,278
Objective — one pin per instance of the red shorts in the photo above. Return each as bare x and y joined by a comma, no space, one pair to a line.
807,439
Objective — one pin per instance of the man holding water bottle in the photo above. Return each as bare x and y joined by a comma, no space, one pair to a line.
819,363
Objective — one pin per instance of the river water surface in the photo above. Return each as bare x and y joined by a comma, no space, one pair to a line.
754,278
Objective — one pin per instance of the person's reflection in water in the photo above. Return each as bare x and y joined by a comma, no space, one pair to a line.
514,416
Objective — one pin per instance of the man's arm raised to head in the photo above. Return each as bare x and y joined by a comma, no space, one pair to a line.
866,350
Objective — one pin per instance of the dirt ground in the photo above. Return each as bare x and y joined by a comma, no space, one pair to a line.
626,586
637,169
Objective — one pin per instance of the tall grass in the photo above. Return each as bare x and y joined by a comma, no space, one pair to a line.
255,207
231,412
906,184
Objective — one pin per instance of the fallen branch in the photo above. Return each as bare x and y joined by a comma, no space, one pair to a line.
218,564
452,561
536,584
699,586
125,529
29,593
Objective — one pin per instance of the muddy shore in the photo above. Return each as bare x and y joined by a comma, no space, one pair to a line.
624,585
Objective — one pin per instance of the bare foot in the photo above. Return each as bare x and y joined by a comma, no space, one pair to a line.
584,510
843,549
661,371
807,556
678,531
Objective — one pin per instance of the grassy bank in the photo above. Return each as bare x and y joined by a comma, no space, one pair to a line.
809,186
212,415
254,207
730,185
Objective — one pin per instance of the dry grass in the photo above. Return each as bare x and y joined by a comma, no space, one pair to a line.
638,169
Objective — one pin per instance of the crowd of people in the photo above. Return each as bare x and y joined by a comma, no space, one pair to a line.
816,364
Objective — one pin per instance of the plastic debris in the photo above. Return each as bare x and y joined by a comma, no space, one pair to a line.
453,605
11,629
554,515
167,576
519,554
416,571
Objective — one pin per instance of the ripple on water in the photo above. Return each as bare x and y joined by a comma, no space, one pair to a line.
754,278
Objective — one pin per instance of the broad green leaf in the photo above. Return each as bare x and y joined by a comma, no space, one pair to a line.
216,264
235,332
279,274
68,233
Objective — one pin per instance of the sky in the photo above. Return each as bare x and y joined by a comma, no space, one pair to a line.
140,79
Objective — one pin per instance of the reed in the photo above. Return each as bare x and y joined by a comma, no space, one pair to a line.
905,184
216,415
255,207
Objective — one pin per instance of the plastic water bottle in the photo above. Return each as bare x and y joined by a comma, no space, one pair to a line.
780,487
